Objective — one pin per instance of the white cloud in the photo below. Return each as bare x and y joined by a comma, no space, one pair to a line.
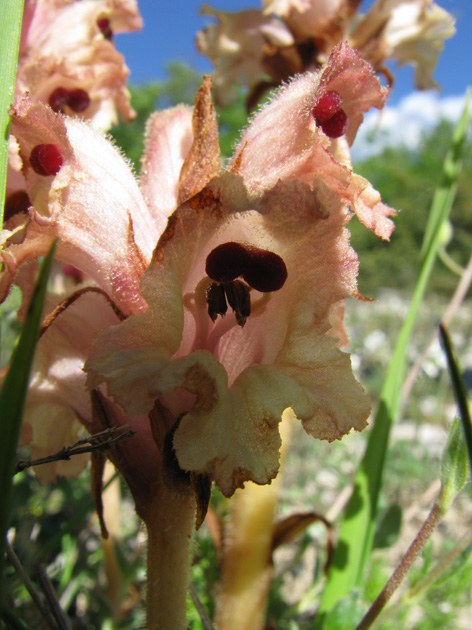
404,124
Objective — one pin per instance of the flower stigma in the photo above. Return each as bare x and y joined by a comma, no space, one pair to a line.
329,114
104,25
46,159
78,100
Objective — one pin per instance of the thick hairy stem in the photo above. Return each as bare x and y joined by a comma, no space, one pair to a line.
247,564
169,522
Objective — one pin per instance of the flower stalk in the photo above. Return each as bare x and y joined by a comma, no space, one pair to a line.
247,562
169,522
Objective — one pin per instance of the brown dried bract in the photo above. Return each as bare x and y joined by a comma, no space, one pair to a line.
203,160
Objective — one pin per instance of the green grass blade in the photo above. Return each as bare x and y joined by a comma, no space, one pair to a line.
13,395
460,391
444,195
11,14
357,529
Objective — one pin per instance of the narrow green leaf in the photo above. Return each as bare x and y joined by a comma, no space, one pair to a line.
388,528
13,395
11,14
460,390
357,529
347,612
453,467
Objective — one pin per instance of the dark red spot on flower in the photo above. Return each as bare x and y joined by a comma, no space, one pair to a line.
336,126
328,104
104,25
265,271
79,100
15,203
226,262
46,159
73,273
58,99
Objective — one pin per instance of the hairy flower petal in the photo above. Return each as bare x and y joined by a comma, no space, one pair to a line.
284,142
92,205
169,136
57,405
240,377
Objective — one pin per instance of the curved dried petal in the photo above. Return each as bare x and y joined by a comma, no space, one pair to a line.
233,435
339,402
368,207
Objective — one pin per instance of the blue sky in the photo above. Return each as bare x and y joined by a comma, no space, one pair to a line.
170,27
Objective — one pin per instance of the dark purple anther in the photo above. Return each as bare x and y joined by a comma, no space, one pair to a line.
216,301
226,262
79,100
237,294
266,271
58,99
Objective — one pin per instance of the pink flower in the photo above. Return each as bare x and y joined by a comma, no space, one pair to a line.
106,225
239,314
243,48
308,19
239,45
212,372
410,31
67,57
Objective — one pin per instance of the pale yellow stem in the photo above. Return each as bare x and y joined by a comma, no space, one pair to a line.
169,523
247,567
116,587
